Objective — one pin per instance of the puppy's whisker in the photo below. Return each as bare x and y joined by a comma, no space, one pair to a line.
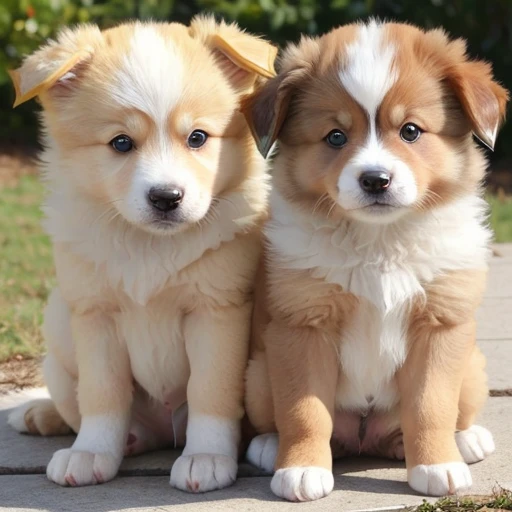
111,219
331,208
320,201
429,200
98,219
232,203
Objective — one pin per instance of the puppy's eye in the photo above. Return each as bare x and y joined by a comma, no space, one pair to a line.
122,143
197,139
410,132
336,139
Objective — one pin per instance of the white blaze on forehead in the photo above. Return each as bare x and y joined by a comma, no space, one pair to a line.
151,78
368,73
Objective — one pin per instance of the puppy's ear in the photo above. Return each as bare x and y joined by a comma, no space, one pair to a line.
484,100
55,64
242,57
267,108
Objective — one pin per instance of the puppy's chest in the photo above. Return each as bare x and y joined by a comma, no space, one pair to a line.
373,341
372,348
153,335
388,285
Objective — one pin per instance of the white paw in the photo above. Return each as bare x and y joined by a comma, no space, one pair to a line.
203,472
76,468
16,418
440,479
302,483
262,451
474,444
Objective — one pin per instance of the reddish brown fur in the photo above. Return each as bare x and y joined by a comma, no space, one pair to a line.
294,368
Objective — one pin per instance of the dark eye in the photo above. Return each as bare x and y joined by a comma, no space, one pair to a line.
122,143
336,139
196,139
410,132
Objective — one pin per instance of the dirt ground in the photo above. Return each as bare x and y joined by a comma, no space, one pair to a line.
19,373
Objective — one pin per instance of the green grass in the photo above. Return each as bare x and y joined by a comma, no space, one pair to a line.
501,217
26,269
500,500
26,266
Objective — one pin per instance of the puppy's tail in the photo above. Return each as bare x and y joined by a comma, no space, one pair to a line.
38,417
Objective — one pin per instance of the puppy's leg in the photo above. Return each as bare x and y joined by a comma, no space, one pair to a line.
258,394
217,345
474,442
104,398
56,416
262,451
303,367
430,384
50,417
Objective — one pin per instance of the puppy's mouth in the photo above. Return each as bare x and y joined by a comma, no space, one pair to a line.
166,221
380,205
164,224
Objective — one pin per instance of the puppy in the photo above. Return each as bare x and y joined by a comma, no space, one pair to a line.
156,196
364,332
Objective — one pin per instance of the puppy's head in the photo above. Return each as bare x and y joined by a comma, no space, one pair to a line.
144,118
376,120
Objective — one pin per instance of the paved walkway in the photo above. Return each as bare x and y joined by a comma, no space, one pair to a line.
361,484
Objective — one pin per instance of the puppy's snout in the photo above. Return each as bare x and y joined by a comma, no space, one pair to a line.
375,181
165,199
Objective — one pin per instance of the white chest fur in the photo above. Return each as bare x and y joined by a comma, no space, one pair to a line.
386,266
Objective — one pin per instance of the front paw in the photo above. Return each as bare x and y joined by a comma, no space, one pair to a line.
76,468
302,483
440,479
203,472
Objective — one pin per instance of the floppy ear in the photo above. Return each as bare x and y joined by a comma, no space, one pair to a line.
56,63
484,101
267,108
242,57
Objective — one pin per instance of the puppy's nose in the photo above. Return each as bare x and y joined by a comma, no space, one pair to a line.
375,181
165,199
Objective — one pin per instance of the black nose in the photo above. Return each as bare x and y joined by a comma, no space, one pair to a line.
375,181
165,199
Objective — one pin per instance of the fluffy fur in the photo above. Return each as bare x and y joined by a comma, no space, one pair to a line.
152,310
364,330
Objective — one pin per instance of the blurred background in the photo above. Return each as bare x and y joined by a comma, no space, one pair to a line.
26,271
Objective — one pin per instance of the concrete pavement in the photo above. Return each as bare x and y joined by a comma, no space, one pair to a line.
360,483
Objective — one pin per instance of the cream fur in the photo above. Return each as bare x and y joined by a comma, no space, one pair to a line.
151,304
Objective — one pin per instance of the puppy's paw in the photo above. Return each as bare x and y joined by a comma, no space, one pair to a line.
475,443
262,451
77,468
203,472
440,479
38,417
302,483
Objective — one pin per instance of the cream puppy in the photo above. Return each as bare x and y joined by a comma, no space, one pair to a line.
364,332
156,194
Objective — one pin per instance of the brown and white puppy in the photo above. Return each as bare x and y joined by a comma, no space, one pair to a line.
156,196
364,333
